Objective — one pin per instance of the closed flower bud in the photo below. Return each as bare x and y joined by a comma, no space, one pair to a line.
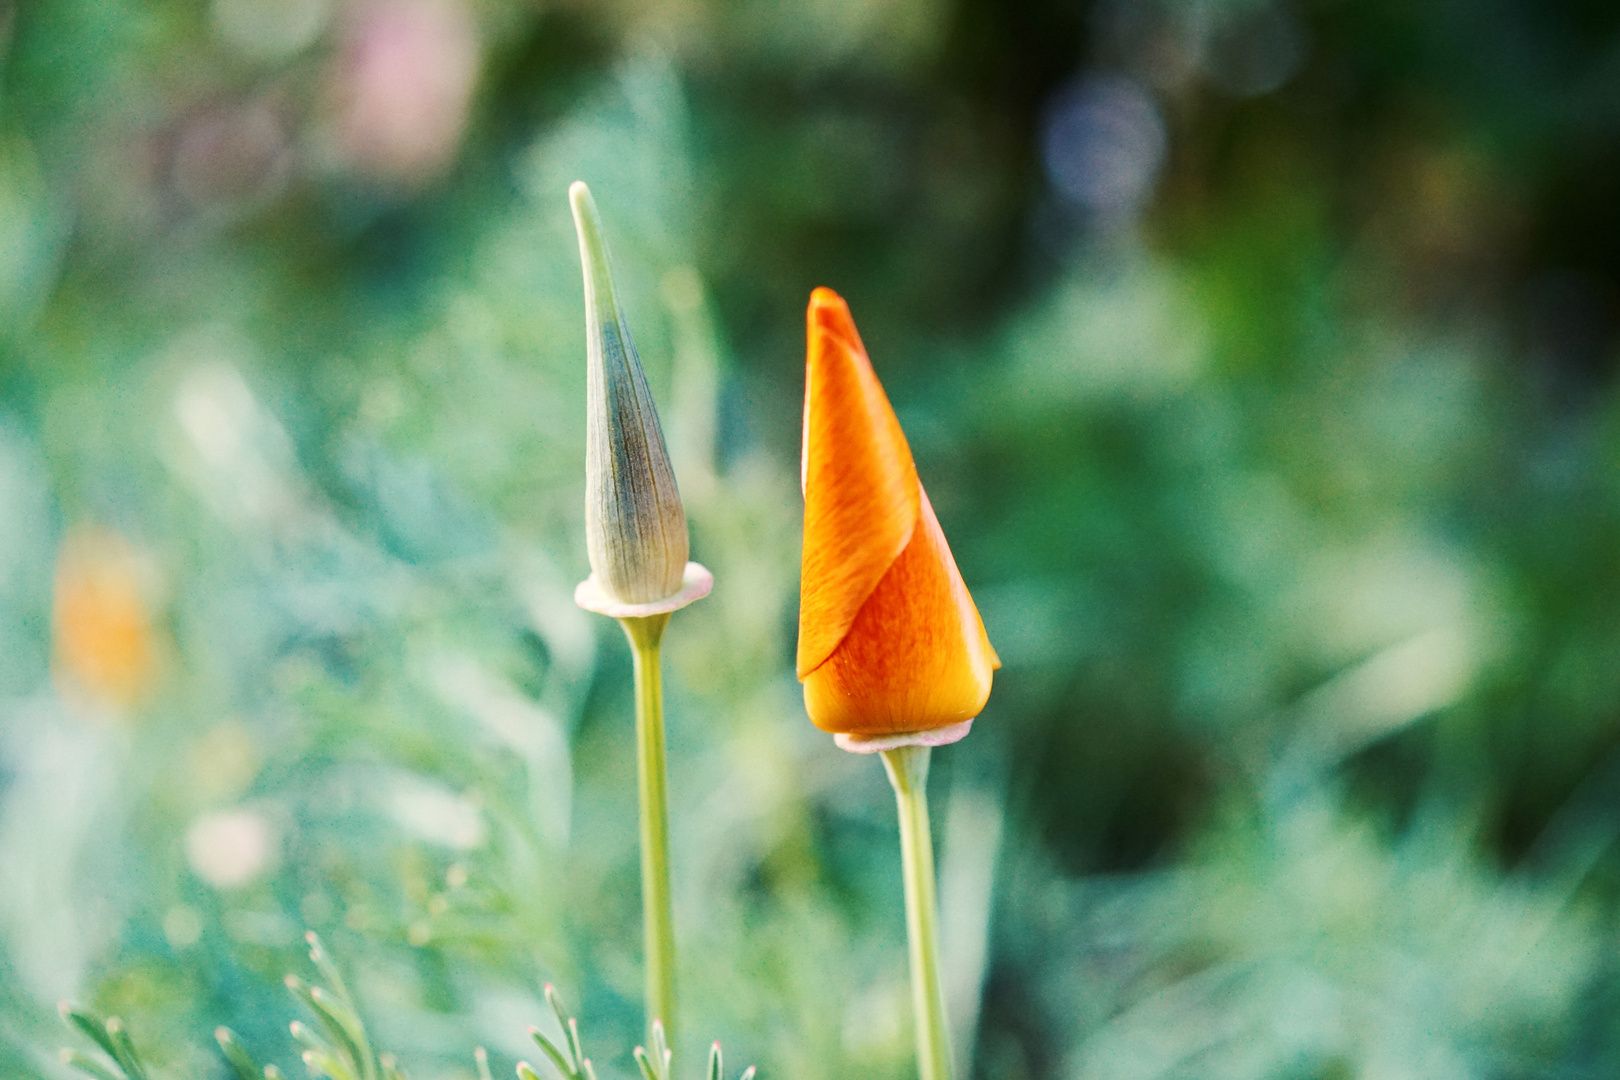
635,526
891,646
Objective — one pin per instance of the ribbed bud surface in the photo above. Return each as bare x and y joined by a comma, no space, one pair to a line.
635,527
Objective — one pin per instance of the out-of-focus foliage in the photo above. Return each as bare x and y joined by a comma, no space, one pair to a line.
1259,358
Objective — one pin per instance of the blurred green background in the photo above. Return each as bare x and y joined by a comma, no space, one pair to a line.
1260,361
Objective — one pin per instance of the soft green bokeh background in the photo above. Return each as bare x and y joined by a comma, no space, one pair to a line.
1259,359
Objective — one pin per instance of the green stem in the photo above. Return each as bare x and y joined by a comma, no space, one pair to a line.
657,920
908,772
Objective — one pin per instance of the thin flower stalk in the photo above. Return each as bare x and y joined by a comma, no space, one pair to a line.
907,767
657,914
636,537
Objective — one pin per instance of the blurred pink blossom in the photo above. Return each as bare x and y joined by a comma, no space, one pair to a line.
402,88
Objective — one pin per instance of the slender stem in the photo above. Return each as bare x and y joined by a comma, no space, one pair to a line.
908,772
658,924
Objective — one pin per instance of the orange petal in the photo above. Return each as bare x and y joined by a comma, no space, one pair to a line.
916,658
860,485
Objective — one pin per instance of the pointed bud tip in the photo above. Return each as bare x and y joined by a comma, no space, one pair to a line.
579,198
821,296
829,314
831,311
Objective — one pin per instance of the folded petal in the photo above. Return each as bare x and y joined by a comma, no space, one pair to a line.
916,657
861,496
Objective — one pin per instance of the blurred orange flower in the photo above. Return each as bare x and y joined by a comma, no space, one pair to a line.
890,642
102,640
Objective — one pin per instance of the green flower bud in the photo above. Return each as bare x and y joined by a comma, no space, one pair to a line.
635,526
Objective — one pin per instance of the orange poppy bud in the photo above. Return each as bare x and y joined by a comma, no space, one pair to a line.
891,647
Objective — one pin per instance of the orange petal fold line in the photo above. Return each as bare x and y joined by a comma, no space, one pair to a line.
889,639
861,495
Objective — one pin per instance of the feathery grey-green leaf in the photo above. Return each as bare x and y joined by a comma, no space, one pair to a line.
90,1066
89,1025
235,1053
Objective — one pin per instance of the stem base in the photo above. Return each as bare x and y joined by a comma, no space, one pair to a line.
907,767
658,924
